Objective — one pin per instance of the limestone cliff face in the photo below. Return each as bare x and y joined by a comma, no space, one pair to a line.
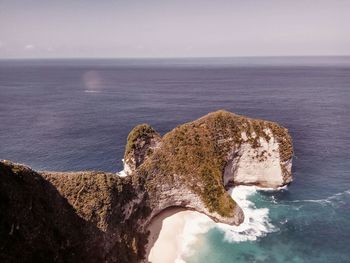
191,165
102,217
260,165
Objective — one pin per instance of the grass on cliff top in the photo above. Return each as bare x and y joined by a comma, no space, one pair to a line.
73,214
101,198
196,154
142,131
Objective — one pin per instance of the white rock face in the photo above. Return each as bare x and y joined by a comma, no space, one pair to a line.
127,170
139,154
260,165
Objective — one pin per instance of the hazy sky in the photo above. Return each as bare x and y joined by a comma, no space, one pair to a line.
177,28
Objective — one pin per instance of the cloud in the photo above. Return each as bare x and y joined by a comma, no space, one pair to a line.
29,47
140,47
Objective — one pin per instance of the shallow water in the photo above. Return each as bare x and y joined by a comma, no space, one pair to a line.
297,231
76,114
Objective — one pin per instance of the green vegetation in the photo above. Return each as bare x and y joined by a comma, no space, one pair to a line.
284,140
100,199
214,195
143,132
196,154
96,216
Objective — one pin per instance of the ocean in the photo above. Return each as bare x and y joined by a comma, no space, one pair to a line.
72,114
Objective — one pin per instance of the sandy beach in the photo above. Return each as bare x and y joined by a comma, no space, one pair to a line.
167,234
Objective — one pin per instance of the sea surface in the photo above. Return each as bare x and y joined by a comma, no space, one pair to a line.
76,115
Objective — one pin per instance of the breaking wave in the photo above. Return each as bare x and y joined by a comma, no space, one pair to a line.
195,224
256,220
122,173
256,223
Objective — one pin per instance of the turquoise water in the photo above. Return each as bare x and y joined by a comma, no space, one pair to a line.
296,223
76,114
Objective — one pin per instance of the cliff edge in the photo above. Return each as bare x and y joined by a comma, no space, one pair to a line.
98,216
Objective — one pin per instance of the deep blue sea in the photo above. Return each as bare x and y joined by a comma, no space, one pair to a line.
76,114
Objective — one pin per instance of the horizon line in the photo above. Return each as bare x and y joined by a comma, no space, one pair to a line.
174,58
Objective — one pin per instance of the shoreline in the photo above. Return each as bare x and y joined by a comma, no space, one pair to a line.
175,230
166,235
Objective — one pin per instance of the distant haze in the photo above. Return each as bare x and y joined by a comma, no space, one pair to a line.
173,28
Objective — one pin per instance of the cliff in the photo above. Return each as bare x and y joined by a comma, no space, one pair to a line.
97,216
67,217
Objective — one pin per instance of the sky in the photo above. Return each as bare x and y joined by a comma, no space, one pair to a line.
173,28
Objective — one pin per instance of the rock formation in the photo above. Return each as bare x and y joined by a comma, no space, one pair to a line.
97,216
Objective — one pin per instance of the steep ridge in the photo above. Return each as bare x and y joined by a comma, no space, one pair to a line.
96,216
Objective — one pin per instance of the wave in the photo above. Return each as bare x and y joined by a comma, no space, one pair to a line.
333,200
122,173
92,91
195,224
256,220
256,223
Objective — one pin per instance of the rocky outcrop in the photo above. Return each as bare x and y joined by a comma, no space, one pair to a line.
68,217
260,165
191,165
102,217
141,143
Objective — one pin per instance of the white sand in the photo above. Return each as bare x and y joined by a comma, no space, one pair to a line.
175,232
167,237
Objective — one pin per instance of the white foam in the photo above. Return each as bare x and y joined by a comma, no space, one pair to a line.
333,200
91,91
256,220
123,173
195,224
256,223
178,231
